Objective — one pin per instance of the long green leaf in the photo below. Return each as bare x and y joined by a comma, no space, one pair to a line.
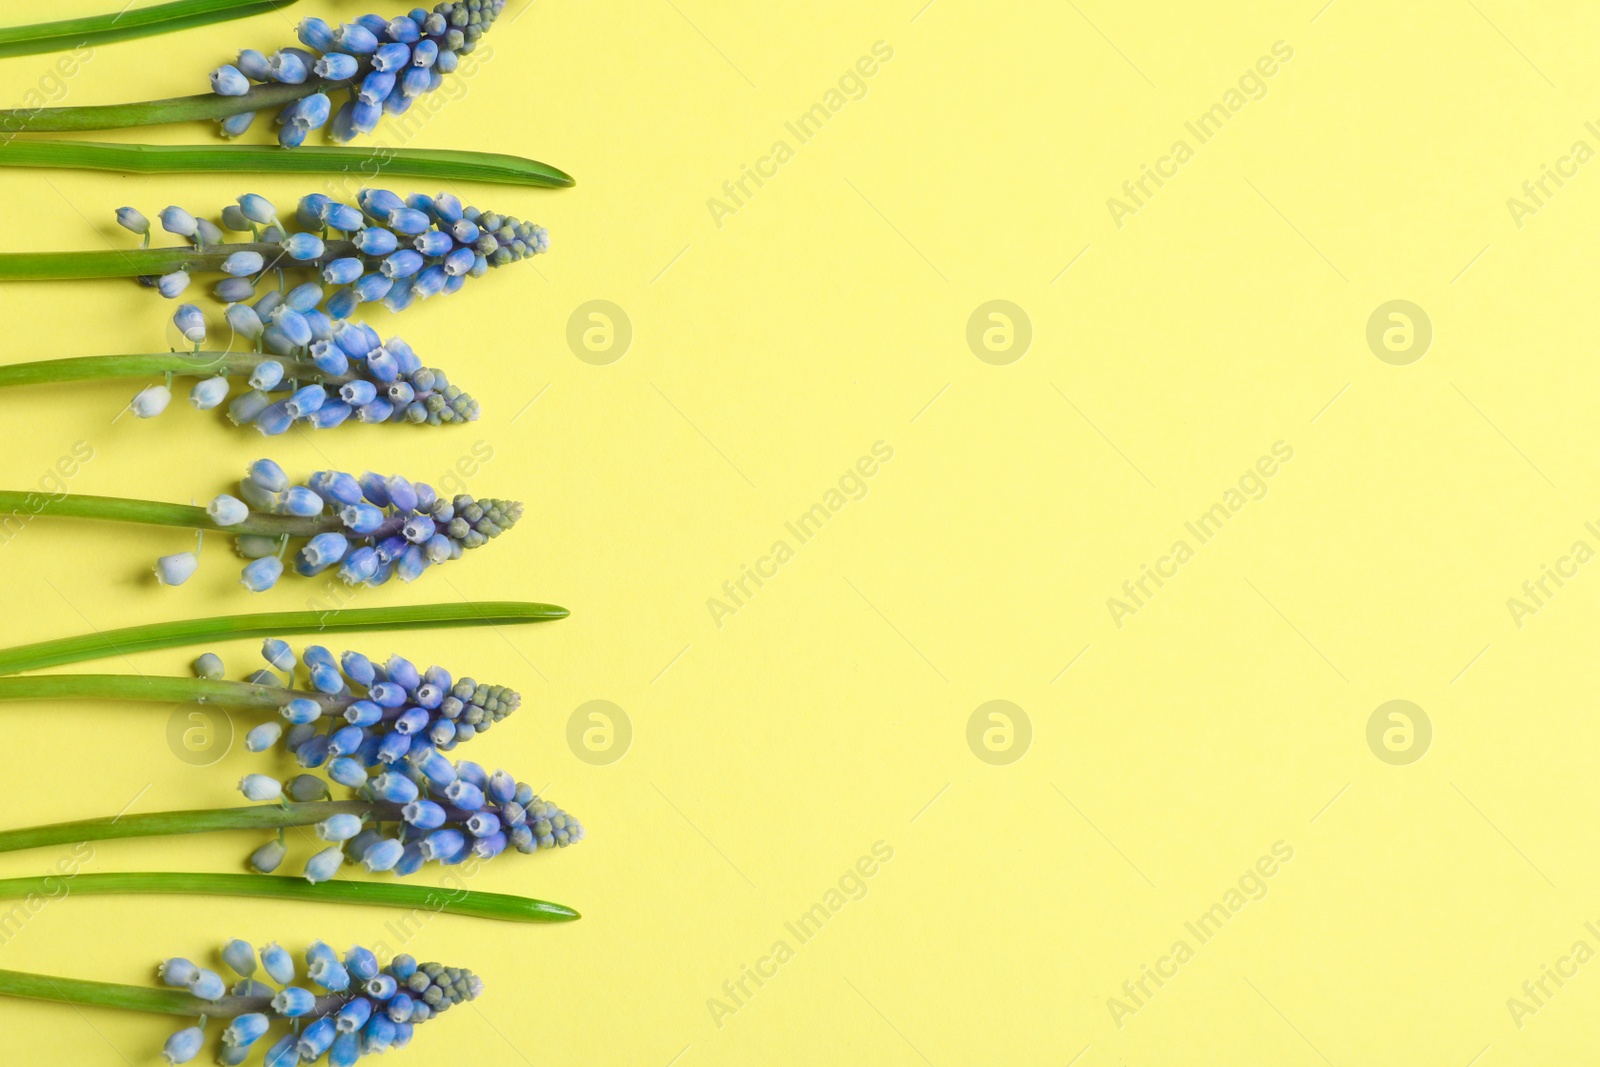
270,624
126,24
470,902
366,164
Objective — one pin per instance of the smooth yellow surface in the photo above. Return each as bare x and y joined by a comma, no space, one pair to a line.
782,336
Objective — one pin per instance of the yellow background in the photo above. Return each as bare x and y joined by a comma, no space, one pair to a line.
831,712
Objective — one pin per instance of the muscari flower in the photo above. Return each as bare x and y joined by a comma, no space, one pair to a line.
420,807
317,373
341,1006
353,706
372,528
382,65
383,248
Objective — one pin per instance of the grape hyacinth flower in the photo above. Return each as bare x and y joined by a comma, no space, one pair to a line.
382,248
339,1005
358,703
344,370
381,65
412,807
371,528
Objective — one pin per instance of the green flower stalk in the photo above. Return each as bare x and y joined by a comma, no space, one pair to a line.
126,24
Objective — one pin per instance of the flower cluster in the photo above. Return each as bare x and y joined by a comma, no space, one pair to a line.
384,63
353,706
419,808
372,528
318,374
363,1007
382,248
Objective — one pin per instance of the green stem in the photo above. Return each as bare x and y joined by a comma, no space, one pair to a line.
187,364
469,902
202,821
158,513
123,25
107,995
237,696
366,163
151,262
270,624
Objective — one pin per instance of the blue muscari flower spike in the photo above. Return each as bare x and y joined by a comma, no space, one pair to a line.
426,809
407,55
317,373
339,1006
382,248
359,716
371,528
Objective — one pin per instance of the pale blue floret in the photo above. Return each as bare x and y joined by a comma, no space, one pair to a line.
176,972
244,320
131,219
176,569
232,290
283,1053
184,1045
300,710
236,125
324,865
260,787
263,737
268,373
247,1029
288,66
150,401
241,264
262,574
172,285
341,827
191,322
303,246
293,1002
315,1039
227,80
176,220
208,985
336,66
209,393
227,510
277,962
